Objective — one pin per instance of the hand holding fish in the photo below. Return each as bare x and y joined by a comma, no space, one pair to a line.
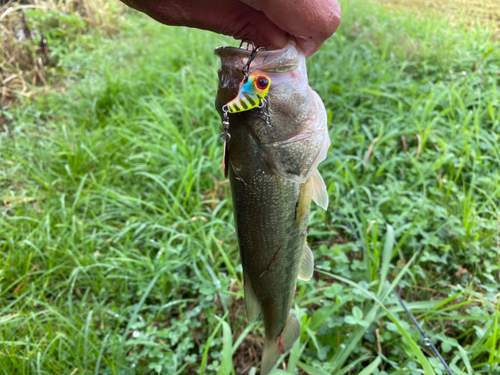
267,22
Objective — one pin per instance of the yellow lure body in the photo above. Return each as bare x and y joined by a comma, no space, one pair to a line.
251,93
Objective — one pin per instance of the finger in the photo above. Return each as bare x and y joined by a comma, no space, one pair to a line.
228,17
312,22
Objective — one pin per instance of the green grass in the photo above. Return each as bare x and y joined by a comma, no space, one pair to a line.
118,247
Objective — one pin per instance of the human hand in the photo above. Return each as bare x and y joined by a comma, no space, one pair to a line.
266,22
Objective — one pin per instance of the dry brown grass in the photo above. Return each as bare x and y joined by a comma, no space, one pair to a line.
484,11
17,61
26,60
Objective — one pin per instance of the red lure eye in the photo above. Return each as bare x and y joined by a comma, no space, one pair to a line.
262,83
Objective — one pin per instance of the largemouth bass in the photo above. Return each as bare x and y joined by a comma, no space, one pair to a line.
273,175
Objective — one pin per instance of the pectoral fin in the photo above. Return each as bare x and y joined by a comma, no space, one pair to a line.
252,306
306,268
319,193
303,202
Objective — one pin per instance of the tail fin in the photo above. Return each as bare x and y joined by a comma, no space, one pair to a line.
274,348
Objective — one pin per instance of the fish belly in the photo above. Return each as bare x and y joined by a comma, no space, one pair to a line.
271,215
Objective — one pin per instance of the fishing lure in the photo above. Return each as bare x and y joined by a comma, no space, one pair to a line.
251,94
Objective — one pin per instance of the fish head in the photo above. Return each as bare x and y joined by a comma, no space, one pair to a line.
268,63
297,140
288,95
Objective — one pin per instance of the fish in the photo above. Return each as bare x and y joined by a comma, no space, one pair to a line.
272,169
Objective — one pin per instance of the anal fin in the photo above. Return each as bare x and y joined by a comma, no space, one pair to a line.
306,267
319,193
275,347
252,305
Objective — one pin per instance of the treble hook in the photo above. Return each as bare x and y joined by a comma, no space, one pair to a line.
264,107
253,53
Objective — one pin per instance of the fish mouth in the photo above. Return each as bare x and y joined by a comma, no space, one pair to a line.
275,61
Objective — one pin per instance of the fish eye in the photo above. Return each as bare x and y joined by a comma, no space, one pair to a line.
262,83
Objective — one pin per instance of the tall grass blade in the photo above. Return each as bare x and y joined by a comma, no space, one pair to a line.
386,258
227,352
368,370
